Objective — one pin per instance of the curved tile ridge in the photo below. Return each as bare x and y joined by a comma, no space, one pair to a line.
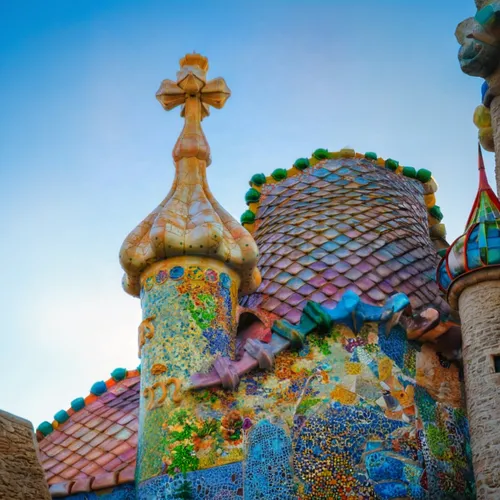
189,221
252,196
97,389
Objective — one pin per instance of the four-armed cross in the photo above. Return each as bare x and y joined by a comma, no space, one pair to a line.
195,95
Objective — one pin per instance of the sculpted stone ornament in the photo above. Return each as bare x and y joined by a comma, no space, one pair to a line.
149,393
479,54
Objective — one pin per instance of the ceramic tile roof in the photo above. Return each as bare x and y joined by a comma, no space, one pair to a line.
96,447
343,224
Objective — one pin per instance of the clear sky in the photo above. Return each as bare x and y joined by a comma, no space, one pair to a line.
85,148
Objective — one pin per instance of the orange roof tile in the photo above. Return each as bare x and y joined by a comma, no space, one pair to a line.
96,447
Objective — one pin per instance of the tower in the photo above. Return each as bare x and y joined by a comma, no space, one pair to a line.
188,261
470,275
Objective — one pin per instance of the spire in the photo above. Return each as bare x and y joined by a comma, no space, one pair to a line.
486,206
190,221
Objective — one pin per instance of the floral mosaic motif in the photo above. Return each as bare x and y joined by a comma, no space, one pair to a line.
211,275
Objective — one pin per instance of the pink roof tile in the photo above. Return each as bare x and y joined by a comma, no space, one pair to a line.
96,448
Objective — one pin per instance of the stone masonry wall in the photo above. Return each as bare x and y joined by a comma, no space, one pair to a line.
479,307
21,475
495,119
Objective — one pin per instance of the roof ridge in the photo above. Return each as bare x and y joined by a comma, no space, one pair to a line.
98,389
423,175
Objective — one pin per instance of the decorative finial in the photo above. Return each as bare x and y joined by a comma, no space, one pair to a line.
195,95
190,221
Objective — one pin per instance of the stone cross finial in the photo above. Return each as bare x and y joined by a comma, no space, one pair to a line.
192,91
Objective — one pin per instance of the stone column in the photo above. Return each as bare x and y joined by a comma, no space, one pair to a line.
479,306
495,123
21,475
479,56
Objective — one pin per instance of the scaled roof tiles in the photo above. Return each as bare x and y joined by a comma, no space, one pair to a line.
344,224
96,447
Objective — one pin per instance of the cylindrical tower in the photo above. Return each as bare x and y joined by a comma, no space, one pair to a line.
470,274
188,261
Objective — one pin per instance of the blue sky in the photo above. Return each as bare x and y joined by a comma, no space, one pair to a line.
85,148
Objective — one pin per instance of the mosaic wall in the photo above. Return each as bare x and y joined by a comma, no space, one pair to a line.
348,416
123,492
189,309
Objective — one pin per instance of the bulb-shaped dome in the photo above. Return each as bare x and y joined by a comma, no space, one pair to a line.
479,247
190,221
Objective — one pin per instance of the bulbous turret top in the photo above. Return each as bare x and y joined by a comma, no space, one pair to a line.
190,221
479,247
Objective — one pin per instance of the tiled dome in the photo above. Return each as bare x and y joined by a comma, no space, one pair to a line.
479,247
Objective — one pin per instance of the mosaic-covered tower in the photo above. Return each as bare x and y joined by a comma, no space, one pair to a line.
470,275
188,261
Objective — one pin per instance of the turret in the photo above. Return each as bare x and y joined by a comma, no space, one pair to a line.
469,274
188,261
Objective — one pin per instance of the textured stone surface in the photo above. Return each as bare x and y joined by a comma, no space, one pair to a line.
480,313
342,225
495,122
21,475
